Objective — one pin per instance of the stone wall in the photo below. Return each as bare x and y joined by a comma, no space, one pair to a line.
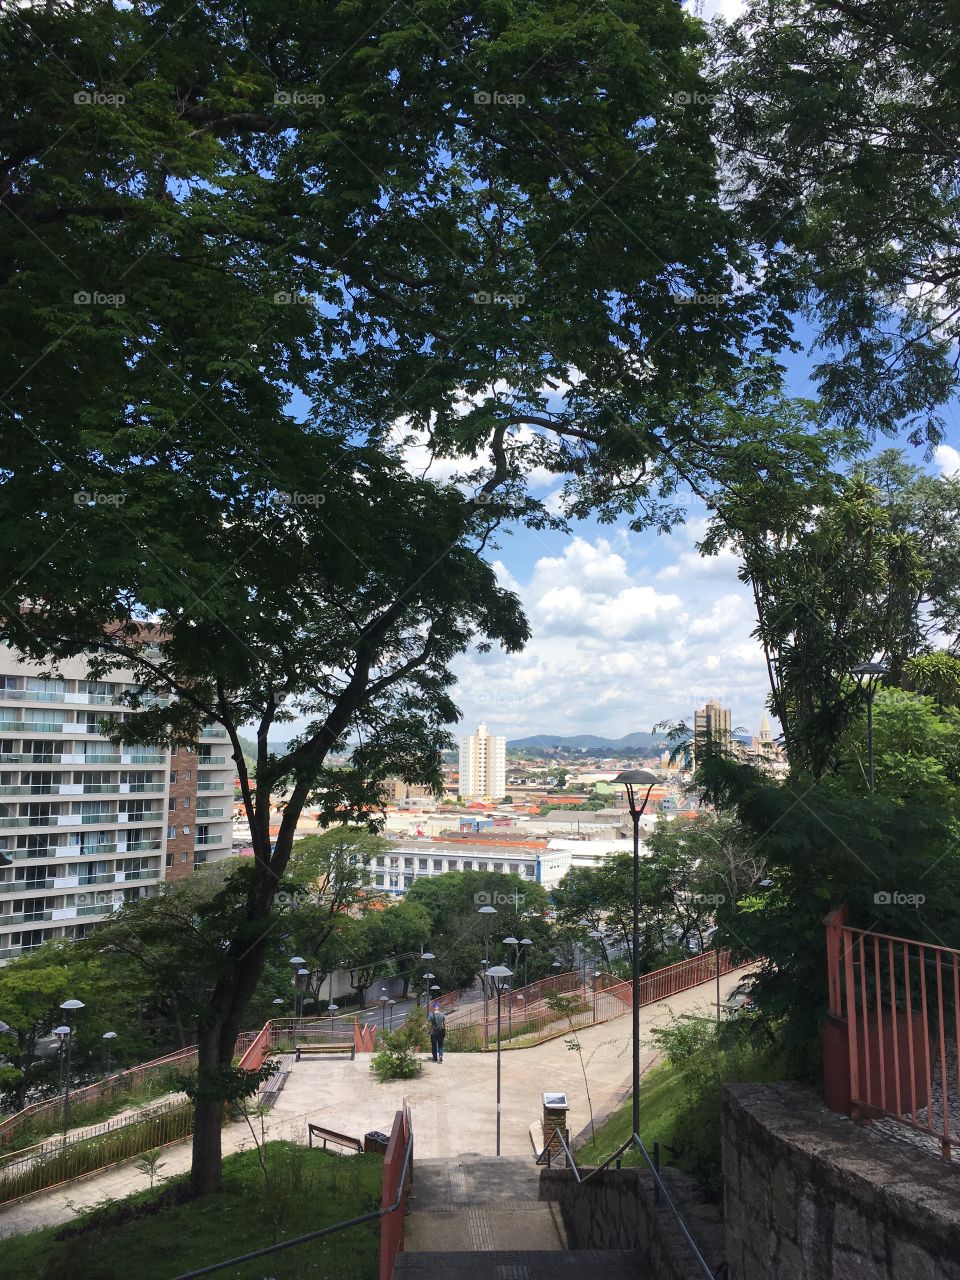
810,1195
616,1210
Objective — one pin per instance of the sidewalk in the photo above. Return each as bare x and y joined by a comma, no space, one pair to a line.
453,1103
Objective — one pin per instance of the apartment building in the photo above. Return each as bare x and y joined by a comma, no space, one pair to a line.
483,766
86,826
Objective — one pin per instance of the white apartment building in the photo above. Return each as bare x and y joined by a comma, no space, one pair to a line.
86,826
483,766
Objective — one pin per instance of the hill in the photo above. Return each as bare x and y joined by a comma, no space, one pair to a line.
645,742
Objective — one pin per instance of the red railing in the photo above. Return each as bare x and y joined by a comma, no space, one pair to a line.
364,1038
397,1169
281,1032
128,1084
527,1018
898,1001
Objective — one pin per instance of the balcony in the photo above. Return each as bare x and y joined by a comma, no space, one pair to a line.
101,758
32,695
26,887
213,733
92,819
138,846
98,909
209,813
206,762
29,727
210,785
202,841
21,790
145,874
104,877
33,821
48,851
141,816
145,759
84,851
24,917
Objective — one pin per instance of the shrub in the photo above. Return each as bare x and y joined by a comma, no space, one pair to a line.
396,1060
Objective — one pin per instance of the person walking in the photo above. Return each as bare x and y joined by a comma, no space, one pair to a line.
437,1021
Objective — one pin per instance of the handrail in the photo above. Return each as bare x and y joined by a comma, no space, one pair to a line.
382,1212
633,1141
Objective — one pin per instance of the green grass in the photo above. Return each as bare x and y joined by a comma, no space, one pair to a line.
309,1189
659,1094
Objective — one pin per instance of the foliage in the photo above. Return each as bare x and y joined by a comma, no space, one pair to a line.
824,845
32,988
150,1164
396,1059
840,133
706,1055
153,1234
937,675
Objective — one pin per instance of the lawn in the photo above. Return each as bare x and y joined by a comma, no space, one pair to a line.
309,1189
659,1093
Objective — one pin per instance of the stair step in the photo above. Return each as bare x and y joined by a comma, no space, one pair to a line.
534,1264
485,1227
472,1180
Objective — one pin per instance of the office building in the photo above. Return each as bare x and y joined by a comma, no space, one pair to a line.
483,766
85,825
713,724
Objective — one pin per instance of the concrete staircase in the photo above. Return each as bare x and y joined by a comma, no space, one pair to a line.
474,1216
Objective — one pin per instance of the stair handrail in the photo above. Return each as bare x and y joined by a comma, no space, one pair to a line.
634,1140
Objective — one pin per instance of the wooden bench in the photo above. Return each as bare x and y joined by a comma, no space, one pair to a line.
320,1049
331,1135
271,1090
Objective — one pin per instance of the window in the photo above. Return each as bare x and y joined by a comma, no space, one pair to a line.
408,862
438,864
173,777
515,867
498,866
169,859
172,803
380,862
468,865
185,804
421,864
379,880
452,864
183,856
171,833
407,881
187,775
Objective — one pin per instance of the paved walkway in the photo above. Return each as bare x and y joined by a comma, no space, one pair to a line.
453,1103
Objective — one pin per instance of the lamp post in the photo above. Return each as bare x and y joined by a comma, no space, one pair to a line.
71,1006
332,1009
109,1036
384,1000
426,989
485,913
501,975
630,779
302,975
297,962
869,675
390,1004
525,942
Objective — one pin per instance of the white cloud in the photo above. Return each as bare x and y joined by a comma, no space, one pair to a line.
613,652
947,459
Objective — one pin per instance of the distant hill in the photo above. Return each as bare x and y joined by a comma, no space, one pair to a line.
646,742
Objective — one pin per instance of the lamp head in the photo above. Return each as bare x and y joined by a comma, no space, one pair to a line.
73,1004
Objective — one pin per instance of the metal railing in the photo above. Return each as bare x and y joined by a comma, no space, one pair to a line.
396,1178
900,1002
660,1189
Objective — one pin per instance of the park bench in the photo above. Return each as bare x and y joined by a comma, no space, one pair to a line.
316,1050
331,1135
271,1090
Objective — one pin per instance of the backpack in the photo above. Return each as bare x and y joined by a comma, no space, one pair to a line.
438,1019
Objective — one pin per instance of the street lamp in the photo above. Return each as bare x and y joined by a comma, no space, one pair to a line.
390,1004
631,779
868,676
303,974
332,1009
384,1001
486,913
109,1036
426,988
501,975
71,1006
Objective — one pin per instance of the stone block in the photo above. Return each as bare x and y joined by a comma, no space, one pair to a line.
908,1259
784,1201
851,1229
